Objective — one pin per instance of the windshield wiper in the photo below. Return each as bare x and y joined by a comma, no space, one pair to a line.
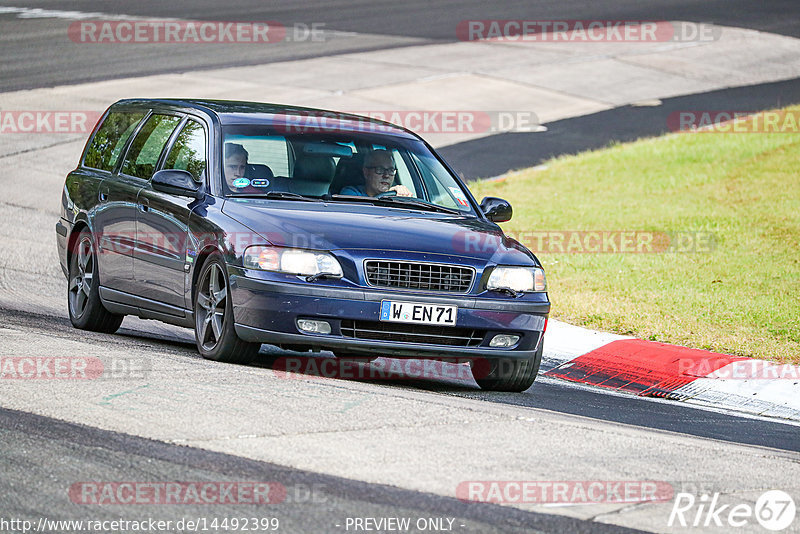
422,204
280,194
407,201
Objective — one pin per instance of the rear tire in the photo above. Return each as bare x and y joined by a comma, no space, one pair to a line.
511,375
213,316
86,311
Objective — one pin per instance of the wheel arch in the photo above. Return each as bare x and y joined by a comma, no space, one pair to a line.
77,229
200,261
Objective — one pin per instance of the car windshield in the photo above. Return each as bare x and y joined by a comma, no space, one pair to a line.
339,166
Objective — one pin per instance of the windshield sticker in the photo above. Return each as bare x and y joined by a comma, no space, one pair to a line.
459,195
241,182
259,182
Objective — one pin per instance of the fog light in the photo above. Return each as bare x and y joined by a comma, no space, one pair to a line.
504,340
314,327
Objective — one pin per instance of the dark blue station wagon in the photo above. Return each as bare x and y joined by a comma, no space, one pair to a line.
306,229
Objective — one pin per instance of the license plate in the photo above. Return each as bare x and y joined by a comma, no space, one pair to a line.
415,312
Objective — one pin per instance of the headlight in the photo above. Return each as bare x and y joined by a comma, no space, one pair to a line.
291,260
517,279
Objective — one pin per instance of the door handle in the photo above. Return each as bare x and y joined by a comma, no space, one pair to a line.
102,196
144,205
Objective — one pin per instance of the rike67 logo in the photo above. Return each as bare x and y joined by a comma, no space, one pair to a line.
774,510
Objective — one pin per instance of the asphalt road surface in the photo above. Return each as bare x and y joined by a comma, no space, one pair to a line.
362,448
494,155
303,502
38,53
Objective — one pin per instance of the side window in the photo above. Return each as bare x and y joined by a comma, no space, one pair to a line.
189,151
112,135
447,194
403,176
146,148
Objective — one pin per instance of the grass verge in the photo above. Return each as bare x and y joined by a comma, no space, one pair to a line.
728,206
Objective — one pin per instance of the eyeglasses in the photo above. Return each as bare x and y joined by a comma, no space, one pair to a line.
383,170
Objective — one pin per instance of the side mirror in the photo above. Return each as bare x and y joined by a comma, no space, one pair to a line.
177,182
496,209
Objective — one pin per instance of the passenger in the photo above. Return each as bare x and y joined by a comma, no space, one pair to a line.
239,181
235,165
379,171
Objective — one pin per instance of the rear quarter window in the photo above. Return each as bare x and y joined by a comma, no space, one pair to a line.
104,150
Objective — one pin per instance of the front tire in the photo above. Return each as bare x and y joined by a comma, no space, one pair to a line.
86,311
510,374
213,316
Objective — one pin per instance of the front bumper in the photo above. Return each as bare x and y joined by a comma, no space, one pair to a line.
266,311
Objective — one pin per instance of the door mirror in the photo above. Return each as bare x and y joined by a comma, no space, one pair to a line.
177,182
496,209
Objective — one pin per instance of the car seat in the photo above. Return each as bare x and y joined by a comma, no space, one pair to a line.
312,174
348,172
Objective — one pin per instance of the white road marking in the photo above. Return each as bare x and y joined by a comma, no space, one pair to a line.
36,13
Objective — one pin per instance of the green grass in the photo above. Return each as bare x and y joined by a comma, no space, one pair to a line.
741,298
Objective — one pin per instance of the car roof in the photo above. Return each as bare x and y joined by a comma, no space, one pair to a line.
241,112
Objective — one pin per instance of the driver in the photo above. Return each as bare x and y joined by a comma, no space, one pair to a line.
379,171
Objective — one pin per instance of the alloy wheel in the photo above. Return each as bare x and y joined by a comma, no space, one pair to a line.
80,285
211,301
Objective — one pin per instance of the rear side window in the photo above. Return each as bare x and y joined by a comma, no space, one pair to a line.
189,151
107,143
142,156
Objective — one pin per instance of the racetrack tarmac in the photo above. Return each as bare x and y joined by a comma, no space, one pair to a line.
371,448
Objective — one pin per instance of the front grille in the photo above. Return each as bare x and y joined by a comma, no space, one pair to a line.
413,333
424,276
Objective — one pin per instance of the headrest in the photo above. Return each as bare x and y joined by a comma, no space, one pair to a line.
314,168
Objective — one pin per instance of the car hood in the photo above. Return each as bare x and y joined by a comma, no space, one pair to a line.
335,226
